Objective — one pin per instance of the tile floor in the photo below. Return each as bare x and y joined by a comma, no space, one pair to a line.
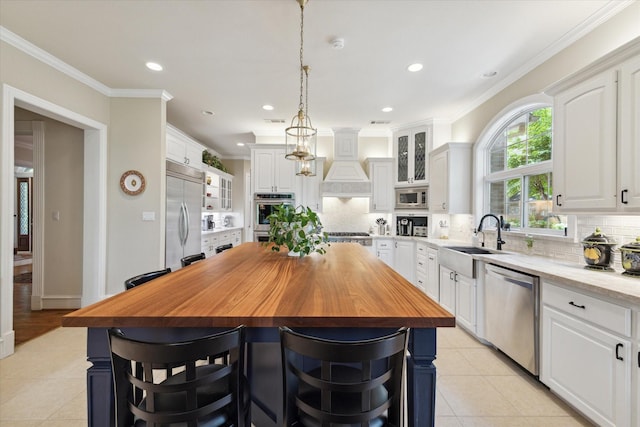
43,384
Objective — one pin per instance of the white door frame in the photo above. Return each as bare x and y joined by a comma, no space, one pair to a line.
94,258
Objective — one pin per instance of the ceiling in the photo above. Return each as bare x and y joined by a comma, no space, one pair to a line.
233,56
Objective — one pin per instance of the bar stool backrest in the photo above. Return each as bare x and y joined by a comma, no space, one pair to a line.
346,383
190,259
189,382
144,278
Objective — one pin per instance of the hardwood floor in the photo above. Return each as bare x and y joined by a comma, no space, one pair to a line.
29,324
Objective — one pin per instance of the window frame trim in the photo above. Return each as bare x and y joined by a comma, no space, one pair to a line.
481,160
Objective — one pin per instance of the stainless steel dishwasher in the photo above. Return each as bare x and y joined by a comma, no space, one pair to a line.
512,309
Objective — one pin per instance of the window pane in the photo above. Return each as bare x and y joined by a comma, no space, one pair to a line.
517,155
403,158
513,213
540,204
539,136
517,130
496,194
498,153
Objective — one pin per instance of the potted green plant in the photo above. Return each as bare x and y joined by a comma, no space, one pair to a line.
297,228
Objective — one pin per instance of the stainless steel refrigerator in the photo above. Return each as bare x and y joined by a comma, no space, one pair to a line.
183,226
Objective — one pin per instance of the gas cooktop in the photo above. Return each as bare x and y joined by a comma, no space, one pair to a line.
350,237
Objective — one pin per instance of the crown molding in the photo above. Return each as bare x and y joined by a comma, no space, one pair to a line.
50,60
595,20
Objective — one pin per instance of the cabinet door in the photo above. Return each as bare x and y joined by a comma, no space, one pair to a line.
381,175
285,178
466,302
193,155
263,173
404,259
401,142
629,148
384,251
175,150
433,279
311,195
439,186
419,159
448,290
584,145
587,366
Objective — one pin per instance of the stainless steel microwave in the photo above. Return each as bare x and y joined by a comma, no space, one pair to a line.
412,198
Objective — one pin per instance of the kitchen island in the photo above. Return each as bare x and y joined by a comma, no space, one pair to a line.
347,293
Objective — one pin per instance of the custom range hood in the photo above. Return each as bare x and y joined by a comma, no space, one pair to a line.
346,178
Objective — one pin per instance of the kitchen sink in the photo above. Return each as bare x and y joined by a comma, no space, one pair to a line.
460,258
472,250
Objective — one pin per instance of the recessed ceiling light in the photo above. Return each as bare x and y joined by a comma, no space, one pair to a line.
208,113
240,144
154,66
414,67
489,74
387,109
267,107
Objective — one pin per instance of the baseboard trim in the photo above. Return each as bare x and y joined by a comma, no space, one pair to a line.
60,302
7,344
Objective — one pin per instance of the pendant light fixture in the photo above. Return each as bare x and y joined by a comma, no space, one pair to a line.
301,135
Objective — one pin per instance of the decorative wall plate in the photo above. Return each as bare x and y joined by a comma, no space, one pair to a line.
132,182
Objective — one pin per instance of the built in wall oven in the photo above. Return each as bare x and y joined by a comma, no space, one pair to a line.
263,206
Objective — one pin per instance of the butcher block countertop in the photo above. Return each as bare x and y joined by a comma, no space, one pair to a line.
251,285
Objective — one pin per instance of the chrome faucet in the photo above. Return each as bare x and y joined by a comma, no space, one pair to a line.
499,227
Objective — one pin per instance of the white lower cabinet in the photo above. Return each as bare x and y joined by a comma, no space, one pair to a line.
448,289
404,259
384,251
637,365
432,286
466,302
586,355
209,244
421,266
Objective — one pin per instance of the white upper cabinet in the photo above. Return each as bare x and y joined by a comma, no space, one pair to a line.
310,194
411,147
381,176
182,149
271,172
629,144
596,136
450,178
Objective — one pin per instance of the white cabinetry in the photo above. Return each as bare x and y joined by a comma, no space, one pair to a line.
421,266
404,259
271,172
381,176
384,250
432,286
596,136
637,369
209,244
586,353
182,149
411,147
466,302
448,289
450,178
217,190
310,193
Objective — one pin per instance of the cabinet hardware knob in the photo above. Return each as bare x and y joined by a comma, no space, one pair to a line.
639,359
451,276
618,347
558,200
622,200
577,305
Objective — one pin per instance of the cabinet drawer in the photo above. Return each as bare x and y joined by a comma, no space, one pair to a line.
602,313
421,264
421,249
384,244
421,281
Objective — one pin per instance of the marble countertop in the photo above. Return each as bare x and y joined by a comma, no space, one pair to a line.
612,284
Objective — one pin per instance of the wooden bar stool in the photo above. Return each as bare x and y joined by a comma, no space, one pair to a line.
345,383
163,383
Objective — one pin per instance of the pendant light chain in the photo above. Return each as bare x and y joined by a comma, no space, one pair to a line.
302,2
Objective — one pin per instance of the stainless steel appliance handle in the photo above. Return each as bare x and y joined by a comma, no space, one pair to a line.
510,276
186,223
180,222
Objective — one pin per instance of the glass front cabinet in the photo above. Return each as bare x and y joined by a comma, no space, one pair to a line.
411,147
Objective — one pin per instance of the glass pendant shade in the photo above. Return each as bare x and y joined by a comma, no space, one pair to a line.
306,168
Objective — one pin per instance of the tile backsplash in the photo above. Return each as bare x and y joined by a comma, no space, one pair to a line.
622,229
350,214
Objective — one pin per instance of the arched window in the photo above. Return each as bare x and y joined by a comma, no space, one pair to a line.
518,178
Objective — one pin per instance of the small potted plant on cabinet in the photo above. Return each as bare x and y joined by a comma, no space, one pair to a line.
297,228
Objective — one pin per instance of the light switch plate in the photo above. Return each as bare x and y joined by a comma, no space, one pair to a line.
148,216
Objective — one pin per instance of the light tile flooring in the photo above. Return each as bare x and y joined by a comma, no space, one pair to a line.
43,384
